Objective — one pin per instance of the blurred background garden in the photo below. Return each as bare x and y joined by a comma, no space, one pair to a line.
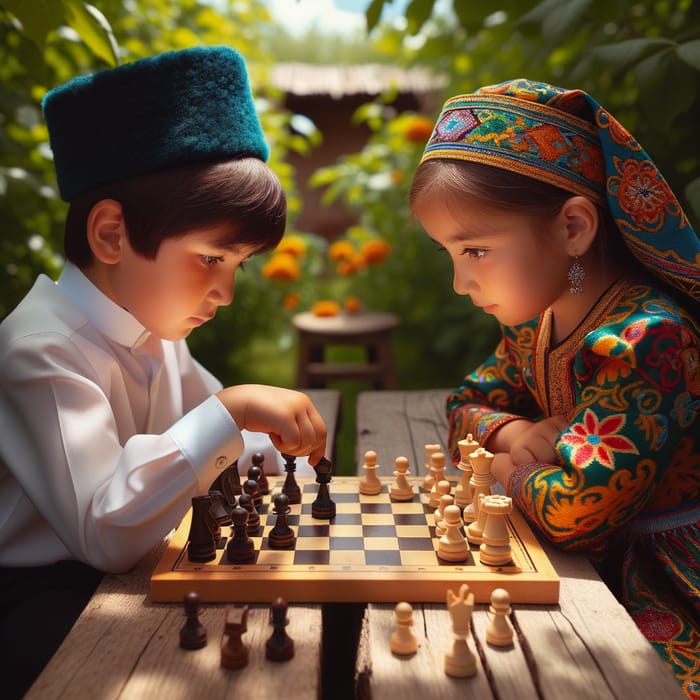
346,113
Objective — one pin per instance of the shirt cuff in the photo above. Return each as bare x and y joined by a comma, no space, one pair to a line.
208,437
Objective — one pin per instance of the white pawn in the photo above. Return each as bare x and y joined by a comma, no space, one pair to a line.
452,546
447,499
460,661
500,631
401,489
429,479
369,483
437,465
403,641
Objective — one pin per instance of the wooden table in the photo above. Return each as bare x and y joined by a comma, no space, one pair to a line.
123,646
585,647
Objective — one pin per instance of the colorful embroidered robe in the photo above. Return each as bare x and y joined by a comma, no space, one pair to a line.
626,486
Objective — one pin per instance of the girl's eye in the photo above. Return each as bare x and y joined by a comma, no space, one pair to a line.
212,259
474,253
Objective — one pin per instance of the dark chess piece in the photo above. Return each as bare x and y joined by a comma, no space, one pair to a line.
234,654
250,486
229,483
258,460
193,635
240,547
253,526
219,510
281,536
290,486
323,508
202,538
280,646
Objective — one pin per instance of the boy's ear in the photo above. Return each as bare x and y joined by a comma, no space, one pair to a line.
106,231
580,218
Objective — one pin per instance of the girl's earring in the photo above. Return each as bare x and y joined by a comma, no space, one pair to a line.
576,276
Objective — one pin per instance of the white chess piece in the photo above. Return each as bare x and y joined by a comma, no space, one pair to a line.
481,481
403,641
460,661
369,483
437,465
401,489
499,631
463,492
447,499
429,478
452,546
495,547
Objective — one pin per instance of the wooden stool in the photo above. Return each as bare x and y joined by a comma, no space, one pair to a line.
369,329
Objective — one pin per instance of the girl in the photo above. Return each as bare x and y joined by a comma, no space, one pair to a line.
560,226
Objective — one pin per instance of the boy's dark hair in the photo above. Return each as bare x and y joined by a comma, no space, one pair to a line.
169,203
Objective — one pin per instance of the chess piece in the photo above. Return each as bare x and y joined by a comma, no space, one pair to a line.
230,484
452,546
219,511
447,499
234,653
279,647
245,500
290,487
481,481
255,475
460,661
258,460
323,507
193,635
240,547
401,489
474,530
250,486
463,492
499,631
429,478
281,536
201,545
495,547
369,483
437,464
403,641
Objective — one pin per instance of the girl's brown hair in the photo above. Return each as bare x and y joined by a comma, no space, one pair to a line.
169,203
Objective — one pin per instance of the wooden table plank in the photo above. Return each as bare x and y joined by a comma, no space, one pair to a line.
585,647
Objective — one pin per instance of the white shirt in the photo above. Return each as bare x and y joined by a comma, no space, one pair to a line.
107,431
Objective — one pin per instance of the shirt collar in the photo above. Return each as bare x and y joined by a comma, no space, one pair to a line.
109,318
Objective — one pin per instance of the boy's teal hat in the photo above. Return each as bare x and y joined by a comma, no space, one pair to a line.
179,107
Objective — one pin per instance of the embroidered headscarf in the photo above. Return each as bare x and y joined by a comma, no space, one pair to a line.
567,139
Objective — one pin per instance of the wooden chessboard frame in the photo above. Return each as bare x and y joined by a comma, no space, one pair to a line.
531,578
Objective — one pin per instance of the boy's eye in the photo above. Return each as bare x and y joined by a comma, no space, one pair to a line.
474,253
212,259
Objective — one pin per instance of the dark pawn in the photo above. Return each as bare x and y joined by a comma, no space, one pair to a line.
234,654
202,537
240,547
323,508
251,487
259,461
253,526
291,488
281,536
279,647
193,635
218,509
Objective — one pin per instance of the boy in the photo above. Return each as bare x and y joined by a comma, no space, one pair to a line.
110,426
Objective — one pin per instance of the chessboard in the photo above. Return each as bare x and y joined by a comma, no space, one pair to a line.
373,550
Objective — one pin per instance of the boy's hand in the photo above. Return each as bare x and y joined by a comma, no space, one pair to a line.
527,441
288,417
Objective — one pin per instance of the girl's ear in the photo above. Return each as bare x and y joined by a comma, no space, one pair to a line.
106,231
580,218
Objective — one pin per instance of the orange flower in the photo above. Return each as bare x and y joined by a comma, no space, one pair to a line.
325,308
375,251
283,267
346,268
353,305
291,301
419,129
341,250
293,245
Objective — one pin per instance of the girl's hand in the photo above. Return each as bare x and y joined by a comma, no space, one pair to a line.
536,442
